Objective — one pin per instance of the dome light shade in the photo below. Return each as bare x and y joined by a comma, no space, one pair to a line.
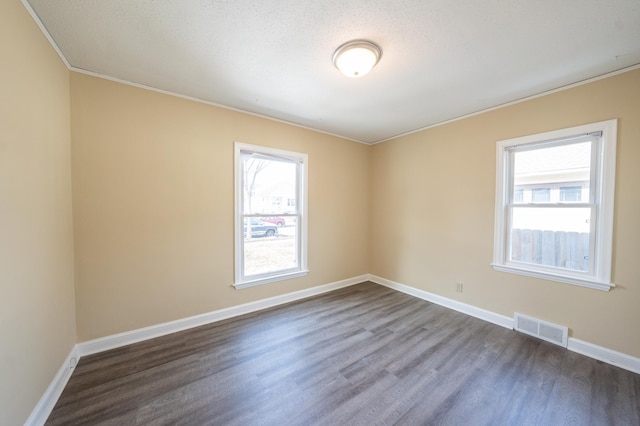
356,58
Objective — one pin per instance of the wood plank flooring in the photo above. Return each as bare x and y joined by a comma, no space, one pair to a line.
362,355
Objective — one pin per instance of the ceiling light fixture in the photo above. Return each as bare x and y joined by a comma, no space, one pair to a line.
357,57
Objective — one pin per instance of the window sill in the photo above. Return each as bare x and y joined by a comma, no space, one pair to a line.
270,279
554,277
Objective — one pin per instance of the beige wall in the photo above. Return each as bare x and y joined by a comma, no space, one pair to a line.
153,205
37,313
153,210
437,188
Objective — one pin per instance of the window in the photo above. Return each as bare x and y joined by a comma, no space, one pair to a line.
518,195
540,195
270,236
570,193
554,205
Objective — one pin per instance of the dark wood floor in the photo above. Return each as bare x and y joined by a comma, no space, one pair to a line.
362,355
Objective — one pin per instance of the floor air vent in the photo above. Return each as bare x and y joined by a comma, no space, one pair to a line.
541,329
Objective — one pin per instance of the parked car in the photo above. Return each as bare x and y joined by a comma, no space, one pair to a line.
279,221
260,228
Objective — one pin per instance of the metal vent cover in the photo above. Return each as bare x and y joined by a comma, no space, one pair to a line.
550,332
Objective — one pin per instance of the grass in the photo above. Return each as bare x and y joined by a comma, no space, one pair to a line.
269,254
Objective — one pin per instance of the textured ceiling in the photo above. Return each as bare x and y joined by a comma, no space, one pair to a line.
442,59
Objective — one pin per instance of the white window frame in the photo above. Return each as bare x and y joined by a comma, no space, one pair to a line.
242,281
603,189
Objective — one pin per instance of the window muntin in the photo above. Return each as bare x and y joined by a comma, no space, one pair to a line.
270,232
554,205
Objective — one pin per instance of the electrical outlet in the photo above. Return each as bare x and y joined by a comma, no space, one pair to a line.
459,286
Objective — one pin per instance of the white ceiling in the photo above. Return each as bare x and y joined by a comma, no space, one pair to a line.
442,59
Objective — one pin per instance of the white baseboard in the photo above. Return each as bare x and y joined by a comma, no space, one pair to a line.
609,356
600,353
482,314
141,334
48,400
44,407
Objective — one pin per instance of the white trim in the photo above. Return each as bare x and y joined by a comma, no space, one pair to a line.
600,353
313,129
302,165
270,279
141,334
548,276
606,193
473,311
46,34
517,101
70,67
603,354
45,405
603,177
209,103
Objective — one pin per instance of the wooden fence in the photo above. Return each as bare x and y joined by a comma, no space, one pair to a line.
569,250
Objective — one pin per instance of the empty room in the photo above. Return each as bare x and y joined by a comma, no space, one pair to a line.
320,213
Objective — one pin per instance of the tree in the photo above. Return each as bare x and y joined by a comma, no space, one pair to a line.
252,167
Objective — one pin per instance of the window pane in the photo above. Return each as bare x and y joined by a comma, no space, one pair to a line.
570,193
540,195
551,236
518,196
270,225
541,169
270,248
269,184
568,237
